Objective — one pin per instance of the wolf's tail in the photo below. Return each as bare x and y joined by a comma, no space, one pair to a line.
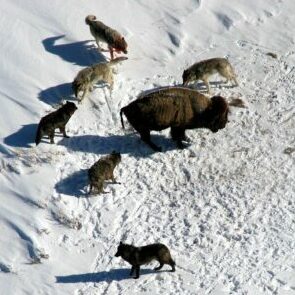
75,88
121,115
117,60
237,102
38,135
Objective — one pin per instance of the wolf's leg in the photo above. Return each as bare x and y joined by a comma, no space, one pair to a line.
159,267
63,131
111,81
235,80
137,269
99,47
98,44
111,52
51,137
114,180
205,80
99,187
90,189
132,271
84,94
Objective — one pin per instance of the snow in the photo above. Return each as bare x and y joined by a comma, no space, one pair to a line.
224,206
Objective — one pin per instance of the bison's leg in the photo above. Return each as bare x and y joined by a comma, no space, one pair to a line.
146,137
178,135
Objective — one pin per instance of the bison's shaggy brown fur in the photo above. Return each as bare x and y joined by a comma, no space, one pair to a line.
178,108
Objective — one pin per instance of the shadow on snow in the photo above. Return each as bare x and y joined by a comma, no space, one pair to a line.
125,144
119,274
78,53
23,137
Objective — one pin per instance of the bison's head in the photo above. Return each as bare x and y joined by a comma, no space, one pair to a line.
218,113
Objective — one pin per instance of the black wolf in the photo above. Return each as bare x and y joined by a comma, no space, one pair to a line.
138,256
57,119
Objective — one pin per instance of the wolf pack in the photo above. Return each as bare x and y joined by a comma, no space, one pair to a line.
176,107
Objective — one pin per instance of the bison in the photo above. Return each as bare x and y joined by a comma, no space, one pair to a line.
178,108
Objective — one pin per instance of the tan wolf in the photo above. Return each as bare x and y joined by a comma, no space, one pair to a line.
204,69
88,77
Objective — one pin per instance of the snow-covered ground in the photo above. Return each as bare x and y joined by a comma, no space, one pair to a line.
224,206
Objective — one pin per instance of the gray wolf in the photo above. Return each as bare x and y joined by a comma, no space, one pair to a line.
103,33
138,256
88,77
57,119
204,69
178,108
103,170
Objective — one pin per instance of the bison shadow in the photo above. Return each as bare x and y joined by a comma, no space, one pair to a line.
54,95
119,274
125,144
79,53
24,137
74,184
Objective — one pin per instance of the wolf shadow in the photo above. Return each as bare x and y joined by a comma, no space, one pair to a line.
118,274
24,137
78,53
74,184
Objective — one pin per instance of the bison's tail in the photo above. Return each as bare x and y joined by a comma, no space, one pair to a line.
38,135
121,115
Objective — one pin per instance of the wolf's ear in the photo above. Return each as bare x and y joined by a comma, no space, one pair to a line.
121,243
123,39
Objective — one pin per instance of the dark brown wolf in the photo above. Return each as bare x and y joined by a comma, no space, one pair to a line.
178,108
103,170
57,119
103,33
138,256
